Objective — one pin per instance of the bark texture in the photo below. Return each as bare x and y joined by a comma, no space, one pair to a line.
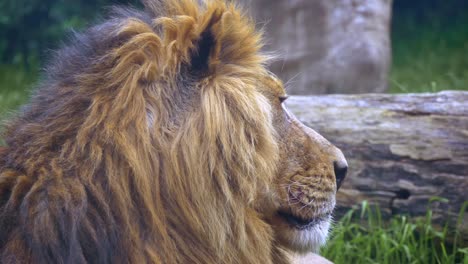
402,150
328,46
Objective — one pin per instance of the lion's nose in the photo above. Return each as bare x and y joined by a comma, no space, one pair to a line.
340,172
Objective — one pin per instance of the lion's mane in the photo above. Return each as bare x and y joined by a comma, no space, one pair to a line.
147,142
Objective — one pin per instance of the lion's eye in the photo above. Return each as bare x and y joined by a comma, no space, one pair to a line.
283,98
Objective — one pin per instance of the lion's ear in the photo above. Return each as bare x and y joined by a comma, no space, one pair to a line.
204,38
227,38
205,53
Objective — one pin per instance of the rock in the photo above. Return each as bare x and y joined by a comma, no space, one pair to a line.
328,46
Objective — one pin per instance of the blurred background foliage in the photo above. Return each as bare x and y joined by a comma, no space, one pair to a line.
28,28
430,45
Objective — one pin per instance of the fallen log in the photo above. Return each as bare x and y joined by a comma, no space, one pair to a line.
402,150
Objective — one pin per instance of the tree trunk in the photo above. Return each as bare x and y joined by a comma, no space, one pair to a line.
327,46
402,150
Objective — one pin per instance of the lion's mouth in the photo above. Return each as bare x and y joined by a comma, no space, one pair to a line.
301,223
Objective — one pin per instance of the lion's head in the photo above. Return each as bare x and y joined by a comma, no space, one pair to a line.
309,173
160,136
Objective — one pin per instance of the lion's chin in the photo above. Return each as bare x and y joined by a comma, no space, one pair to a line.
302,236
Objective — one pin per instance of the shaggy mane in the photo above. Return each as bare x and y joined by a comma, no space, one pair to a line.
147,142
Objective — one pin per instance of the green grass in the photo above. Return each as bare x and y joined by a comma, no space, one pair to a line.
429,56
15,87
361,236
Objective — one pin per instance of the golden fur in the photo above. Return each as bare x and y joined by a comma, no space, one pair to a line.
158,137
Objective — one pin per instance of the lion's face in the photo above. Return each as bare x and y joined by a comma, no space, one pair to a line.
309,174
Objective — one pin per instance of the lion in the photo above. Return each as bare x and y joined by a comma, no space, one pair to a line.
160,136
